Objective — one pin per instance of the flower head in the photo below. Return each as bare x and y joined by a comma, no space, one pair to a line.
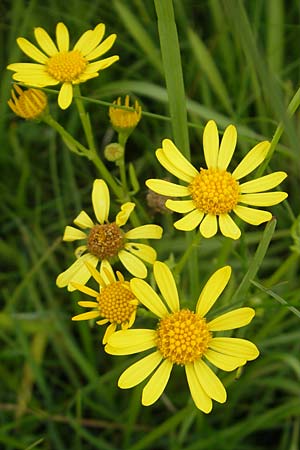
115,302
57,64
185,338
215,192
29,104
124,120
107,241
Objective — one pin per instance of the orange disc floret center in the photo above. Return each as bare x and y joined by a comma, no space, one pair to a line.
183,337
105,241
66,66
117,303
214,191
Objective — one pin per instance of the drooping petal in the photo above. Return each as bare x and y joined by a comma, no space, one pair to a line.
228,227
62,37
209,226
45,41
101,200
212,290
251,215
73,234
31,50
224,362
145,232
142,251
252,160
180,206
87,315
65,95
210,382
77,272
148,297
123,215
231,320
167,188
211,144
167,286
102,48
108,332
139,371
157,383
127,342
241,348
190,221
83,220
227,147
263,199
133,264
263,183
201,399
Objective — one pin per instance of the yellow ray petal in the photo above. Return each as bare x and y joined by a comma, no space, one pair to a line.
87,315
171,167
228,227
224,362
102,48
176,158
73,234
252,160
95,274
167,286
263,199
62,37
37,79
263,183
212,290
211,144
83,220
148,297
88,304
65,95
27,68
45,41
139,371
142,251
145,232
107,275
190,221
133,264
77,272
180,206
108,332
123,215
231,320
79,251
201,399
157,383
209,226
127,342
251,215
90,39
166,188
101,200
210,382
85,289
31,50
102,64
227,147
241,348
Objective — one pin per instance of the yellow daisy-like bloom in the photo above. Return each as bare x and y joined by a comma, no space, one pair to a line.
214,192
185,338
30,103
115,301
123,120
58,64
106,241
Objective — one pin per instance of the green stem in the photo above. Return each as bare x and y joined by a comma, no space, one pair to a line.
121,164
186,255
85,120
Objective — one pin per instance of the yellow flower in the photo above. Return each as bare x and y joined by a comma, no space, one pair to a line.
115,302
123,120
185,338
106,241
30,104
214,192
58,64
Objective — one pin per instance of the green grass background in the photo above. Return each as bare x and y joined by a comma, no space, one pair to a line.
241,65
